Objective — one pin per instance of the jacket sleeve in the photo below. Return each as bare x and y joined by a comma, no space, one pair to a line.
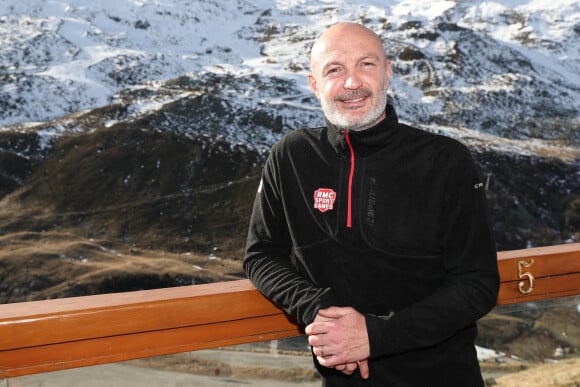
471,283
268,263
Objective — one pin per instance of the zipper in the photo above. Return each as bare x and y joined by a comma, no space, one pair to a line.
350,179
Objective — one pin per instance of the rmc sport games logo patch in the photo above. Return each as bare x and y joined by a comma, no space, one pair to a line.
324,199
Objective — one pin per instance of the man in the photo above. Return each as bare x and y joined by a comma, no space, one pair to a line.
373,234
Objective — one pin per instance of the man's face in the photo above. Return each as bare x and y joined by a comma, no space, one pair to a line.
350,76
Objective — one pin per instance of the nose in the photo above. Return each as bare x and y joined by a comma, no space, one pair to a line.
352,81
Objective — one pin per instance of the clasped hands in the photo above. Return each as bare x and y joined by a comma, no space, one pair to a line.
339,338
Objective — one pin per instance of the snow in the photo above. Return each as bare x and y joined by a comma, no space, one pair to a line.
484,354
421,10
62,57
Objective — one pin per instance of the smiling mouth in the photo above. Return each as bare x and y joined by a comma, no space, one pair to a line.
354,98
354,103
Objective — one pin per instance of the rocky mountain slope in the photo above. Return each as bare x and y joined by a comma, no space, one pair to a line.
132,137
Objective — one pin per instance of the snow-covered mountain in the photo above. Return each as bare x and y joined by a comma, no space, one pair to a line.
483,70
132,132
157,99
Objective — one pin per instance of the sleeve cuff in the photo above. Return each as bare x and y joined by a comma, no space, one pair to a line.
375,329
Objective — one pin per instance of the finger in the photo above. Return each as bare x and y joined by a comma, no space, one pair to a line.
309,329
334,312
318,341
321,352
325,361
316,328
349,368
363,366
314,341
328,360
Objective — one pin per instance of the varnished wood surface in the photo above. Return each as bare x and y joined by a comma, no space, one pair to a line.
42,336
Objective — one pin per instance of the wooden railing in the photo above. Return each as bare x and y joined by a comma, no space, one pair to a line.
42,336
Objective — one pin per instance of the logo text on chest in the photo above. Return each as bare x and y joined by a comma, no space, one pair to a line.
372,201
324,199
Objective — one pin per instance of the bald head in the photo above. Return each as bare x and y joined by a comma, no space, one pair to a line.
341,36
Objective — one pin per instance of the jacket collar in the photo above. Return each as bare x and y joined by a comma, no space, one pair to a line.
365,141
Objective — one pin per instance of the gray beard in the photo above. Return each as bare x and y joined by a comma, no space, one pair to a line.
342,122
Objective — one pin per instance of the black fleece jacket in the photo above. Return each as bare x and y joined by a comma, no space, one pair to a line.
392,221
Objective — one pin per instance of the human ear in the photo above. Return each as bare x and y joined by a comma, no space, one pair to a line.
388,73
313,85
